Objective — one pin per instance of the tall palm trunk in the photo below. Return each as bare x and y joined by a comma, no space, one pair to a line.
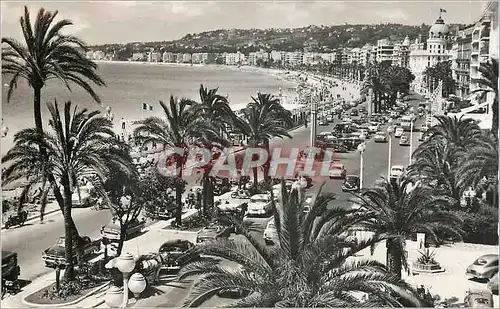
37,110
68,229
393,256
268,162
178,191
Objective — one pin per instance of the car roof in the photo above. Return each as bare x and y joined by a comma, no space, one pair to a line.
352,176
262,195
338,164
397,166
490,256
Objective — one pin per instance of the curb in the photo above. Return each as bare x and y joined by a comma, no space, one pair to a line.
37,216
76,301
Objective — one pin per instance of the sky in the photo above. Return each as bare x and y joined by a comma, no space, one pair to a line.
100,22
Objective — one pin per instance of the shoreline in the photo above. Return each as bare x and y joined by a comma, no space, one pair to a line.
289,76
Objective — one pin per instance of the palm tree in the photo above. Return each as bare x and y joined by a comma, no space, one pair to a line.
378,80
309,266
263,119
80,143
180,130
489,83
441,71
479,166
214,108
435,164
461,133
398,210
47,54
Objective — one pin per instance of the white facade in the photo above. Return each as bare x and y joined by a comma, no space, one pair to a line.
168,57
385,51
98,55
423,55
186,58
234,58
276,56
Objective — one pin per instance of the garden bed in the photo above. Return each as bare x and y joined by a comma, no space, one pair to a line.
42,297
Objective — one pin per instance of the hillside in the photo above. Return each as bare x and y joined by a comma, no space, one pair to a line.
314,38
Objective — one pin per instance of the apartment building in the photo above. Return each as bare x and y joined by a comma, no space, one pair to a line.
254,57
168,57
276,56
233,58
293,58
401,56
385,51
186,58
461,55
138,57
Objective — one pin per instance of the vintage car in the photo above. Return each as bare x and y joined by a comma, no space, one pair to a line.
112,230
381,137
213,232
10,271
351,183
337,171
404,141
396,171
270,233
56,255
177,253
398,132
259,205
493,284
478,299
234,293
484,267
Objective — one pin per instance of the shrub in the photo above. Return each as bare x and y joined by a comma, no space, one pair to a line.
426,257
481,227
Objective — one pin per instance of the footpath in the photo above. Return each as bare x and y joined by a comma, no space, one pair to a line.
33,212
148,242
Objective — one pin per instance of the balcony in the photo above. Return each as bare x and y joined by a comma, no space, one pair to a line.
485,35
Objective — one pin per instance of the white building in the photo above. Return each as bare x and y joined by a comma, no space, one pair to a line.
433,51
293,58
276,56
234,58
98,55
138,57
385,51
186,58
168,57
154,56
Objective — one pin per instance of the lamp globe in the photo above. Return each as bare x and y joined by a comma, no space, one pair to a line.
114,297
137,284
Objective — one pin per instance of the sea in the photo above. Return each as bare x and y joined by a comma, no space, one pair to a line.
128,85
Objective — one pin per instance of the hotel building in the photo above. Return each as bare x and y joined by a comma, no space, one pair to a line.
426,54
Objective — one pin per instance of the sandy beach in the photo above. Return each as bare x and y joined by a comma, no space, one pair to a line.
289,76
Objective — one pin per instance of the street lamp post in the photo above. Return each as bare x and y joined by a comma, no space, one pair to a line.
125,264
412,115
390,129
313,121
361,149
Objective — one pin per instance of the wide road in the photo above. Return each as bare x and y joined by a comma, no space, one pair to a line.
30,240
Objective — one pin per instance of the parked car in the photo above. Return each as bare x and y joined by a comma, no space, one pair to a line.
337,171
398,132
354,113
397,171
493,284
478,299
373,127
259,205
177,253
10,271
213,232
381,137
404,141
113,228
323,123
270,233
56,255
484,267
351,183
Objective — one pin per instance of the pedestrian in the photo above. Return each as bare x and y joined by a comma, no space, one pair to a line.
191,197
